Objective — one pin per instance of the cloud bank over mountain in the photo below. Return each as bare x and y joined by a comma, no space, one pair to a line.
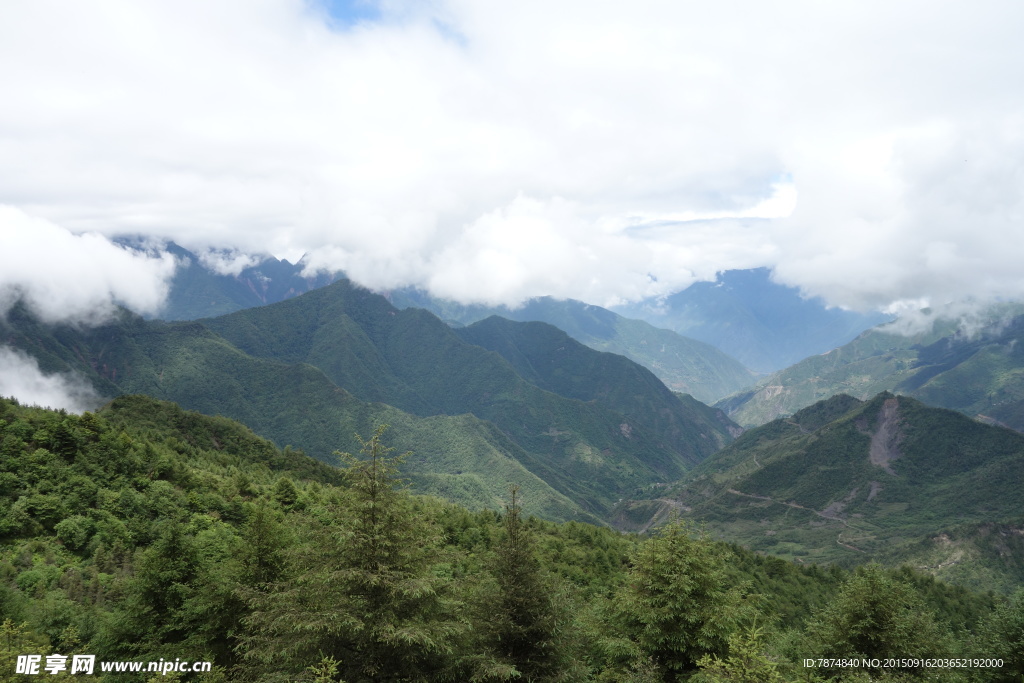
492,152
64,277
21,377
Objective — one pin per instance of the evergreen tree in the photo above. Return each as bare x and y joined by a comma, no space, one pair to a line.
1002,636
746,663
163,582
678,604
524,623
262,551
877,617
363,590
151,621
285,493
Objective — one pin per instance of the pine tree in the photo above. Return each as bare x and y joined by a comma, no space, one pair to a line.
1002,635
262,552
524,622
162,584
876,616
362,590
285,493
152,619
679,603
746,663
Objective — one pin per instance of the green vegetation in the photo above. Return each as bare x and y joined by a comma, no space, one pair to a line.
877,617
144,532
550,359
847,480
411,360
979,374
678,604
312,371
461,457
683,364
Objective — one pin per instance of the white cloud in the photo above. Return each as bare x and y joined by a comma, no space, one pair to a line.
227,261
64,277
493,151
21,378
938,220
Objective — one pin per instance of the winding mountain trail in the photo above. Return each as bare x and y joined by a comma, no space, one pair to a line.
839,540
833,518
792,505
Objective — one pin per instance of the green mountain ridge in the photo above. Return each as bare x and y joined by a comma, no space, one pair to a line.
412,360
552,360
847,480
683,364
980,375
314,370
457,457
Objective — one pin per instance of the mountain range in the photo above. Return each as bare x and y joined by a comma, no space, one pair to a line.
699,341
314,370
200,291
829,470
690,340
144,532
683,364
765,325
979,372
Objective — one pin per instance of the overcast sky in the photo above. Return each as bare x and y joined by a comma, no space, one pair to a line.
870,152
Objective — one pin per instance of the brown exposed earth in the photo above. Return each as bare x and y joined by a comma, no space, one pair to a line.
887,436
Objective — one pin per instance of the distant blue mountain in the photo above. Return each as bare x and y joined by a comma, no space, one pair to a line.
764,325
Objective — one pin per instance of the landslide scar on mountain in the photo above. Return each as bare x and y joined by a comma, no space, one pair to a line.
887,436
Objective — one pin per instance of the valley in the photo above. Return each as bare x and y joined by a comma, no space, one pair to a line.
483,401
844,480
143,532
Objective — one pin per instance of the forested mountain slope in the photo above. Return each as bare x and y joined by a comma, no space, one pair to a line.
144,533
313,370
410,359
459,457
683,364
890,478
552,360
979,373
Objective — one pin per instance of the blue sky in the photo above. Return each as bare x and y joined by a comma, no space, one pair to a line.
351,12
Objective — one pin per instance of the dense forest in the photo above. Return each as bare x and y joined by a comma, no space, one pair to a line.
144,532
